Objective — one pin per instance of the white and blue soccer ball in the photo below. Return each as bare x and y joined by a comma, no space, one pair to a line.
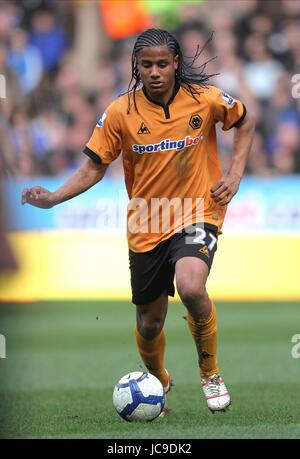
139,397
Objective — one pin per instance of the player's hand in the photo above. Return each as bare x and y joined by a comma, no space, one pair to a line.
224,189
38,197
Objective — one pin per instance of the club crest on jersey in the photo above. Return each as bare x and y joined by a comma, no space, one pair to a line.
101,121
195,121
167,144
228,99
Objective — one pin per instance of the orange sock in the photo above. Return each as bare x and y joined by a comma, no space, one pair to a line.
204,333
152,353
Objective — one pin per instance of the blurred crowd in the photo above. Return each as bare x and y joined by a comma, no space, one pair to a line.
64,61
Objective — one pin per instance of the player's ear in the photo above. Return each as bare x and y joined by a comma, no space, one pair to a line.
176,62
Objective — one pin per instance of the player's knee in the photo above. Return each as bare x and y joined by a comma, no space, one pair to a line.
192,296
149,329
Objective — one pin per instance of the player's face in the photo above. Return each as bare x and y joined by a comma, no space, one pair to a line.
157,66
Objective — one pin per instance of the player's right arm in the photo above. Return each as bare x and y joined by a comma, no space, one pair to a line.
103,147
87,175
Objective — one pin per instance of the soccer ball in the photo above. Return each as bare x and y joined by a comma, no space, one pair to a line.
139,397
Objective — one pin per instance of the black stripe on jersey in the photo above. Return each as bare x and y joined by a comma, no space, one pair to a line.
165,107
239,122
92,155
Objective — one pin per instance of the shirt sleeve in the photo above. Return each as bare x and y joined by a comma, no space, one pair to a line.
228,110
105,144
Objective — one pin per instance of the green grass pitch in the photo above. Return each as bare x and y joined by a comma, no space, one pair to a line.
64,358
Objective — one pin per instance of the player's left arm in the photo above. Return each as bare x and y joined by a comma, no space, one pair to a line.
224,189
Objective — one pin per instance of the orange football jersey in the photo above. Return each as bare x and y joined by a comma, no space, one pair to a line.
170,159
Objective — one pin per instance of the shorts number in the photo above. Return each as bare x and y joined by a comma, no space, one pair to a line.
200,238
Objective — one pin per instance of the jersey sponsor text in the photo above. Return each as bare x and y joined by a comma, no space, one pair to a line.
166,145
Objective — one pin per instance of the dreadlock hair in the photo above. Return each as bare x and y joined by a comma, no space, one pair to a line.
185,73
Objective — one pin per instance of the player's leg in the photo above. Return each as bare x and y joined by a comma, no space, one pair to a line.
151,282
150,336
192,254
191,275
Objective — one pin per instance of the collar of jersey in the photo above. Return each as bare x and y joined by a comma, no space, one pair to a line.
175,91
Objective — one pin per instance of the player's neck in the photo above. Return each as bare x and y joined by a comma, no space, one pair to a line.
165,98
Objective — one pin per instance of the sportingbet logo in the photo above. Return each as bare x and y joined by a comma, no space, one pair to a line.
167,144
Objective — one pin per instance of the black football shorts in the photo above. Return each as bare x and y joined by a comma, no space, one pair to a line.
152,273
